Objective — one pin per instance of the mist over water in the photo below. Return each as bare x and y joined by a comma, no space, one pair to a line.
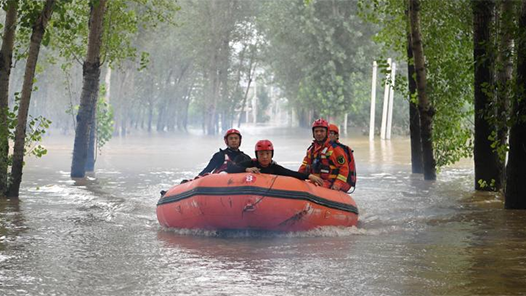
101,236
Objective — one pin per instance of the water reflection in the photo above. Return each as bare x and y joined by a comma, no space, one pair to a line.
239,262
497,250
11,222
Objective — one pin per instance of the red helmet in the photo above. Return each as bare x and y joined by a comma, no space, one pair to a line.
233,131
320,123
333,128
264,145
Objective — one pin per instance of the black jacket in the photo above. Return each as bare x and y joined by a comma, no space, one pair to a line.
273,168
219,158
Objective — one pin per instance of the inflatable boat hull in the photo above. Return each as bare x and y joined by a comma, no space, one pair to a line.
254,201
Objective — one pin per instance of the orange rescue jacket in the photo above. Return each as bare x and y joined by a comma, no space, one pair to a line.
329,162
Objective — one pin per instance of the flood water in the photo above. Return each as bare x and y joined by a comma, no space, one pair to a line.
101,237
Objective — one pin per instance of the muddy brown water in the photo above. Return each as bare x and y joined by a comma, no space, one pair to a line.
101,236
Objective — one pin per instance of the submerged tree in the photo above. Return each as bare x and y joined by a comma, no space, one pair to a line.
425,108
39,28
6,57
417,163
516,168
90,90
446,33
109,41
486,159
504,81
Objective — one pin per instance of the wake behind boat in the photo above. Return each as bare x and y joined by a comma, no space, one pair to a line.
254,201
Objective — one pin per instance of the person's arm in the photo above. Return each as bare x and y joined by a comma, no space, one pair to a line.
282,171
215,162
279,170
238,168
305,165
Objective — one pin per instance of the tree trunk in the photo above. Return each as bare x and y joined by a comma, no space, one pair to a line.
425,108
90,160
213,80
486,160
6,56
90,91
39,29
150,116
414,118
515,195
251,72
504,77
186,104
160,117
213,85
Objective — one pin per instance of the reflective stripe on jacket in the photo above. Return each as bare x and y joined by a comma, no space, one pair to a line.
328,161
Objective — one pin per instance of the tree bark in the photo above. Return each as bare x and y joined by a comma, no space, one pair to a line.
425,108
6,57
414,118
90,160
504,77
515,194
486,160
90,91
39,28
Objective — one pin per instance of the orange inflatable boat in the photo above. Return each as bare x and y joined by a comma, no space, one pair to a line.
254,201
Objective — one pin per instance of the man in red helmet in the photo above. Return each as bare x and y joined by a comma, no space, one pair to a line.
334,133
220,160
264,164
326,159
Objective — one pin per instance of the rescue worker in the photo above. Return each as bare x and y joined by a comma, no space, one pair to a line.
220,160
334,133
326,159
334,136
264,164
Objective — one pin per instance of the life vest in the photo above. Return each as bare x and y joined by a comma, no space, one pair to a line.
322,165
351,178
224,165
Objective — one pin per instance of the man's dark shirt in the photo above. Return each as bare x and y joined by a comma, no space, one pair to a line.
273,168
219,158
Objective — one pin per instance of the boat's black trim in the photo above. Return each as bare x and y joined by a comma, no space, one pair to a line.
250,190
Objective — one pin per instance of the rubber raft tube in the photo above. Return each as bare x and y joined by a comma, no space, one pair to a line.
254,201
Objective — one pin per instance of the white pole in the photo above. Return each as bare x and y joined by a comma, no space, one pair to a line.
345,124
385,105
373,103
391,102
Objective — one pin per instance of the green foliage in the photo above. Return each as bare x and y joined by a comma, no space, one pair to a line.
315,50
69,29
104,121
35,130
484,184
447,38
